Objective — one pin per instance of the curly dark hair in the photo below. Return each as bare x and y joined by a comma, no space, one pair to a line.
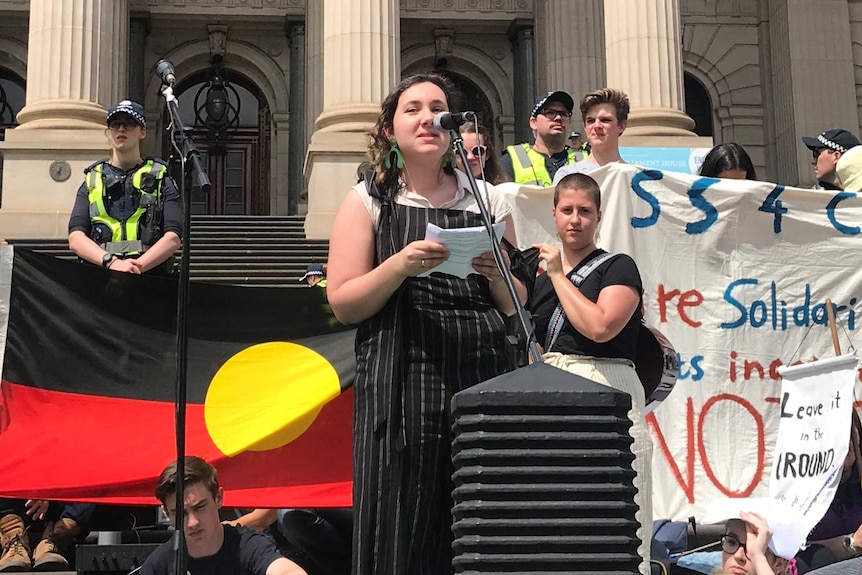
379,146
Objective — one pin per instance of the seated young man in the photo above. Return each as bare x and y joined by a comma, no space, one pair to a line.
213,548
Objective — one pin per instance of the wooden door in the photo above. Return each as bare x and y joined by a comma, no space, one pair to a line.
234,170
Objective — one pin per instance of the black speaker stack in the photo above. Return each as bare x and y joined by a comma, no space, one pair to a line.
543,476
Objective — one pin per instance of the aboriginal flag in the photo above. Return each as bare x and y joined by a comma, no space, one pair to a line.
88,380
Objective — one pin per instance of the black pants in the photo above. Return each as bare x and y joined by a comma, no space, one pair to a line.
814,557
319,540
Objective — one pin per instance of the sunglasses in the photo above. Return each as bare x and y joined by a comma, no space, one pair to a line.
552,114
478,151
128,125
730,544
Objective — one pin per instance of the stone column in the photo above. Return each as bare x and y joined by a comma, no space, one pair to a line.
644,59
76,63
313,65
284,152
361,64
139,27
521,36
811,47
573,44
764,46
296,107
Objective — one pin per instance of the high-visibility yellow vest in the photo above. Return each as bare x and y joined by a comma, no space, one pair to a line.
126,236
528,165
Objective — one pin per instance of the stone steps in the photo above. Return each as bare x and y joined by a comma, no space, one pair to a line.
246,250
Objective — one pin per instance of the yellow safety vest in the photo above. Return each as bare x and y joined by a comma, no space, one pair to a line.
528,165
125,235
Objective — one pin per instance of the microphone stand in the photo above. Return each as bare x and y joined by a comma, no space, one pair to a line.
529,343
189,159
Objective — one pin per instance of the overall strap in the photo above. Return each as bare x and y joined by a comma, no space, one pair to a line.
558,318
386,243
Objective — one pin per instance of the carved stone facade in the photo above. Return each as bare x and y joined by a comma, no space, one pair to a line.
274,8
467,8
501,52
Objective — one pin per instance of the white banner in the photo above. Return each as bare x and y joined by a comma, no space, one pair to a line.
813,434
735,274
6,254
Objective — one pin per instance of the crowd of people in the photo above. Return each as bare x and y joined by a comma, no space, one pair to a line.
422,337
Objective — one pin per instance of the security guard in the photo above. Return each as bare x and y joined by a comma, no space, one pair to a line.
315,275
577,143
536,163
127,215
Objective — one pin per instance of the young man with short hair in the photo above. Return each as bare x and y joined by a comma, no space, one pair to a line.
605,113
213,548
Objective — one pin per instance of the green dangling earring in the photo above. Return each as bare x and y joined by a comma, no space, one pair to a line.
448,159
394,151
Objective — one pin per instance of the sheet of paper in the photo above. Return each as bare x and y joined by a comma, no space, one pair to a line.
788,529
464,244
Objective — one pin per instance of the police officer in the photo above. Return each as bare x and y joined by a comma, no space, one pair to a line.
576,142
127,215
315,275
536,163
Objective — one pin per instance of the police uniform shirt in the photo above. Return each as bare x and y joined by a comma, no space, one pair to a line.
121,201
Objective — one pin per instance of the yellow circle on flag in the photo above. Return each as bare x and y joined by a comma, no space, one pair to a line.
266,396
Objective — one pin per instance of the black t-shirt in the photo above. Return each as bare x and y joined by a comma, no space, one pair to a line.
244,552
618,270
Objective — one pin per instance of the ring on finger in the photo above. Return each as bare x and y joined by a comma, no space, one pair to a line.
422,264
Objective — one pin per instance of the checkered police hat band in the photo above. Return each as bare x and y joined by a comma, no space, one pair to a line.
124,109
830,144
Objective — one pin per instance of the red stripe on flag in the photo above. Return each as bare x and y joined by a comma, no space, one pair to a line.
73,447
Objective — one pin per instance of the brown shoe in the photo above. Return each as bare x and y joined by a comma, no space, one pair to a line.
56,539
46,556
16,548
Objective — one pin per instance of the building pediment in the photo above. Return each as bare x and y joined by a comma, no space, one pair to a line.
276,8
480,9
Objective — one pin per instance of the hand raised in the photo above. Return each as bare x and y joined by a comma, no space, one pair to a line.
552,258
758,534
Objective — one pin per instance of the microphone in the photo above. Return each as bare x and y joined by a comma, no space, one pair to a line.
165,70
449,121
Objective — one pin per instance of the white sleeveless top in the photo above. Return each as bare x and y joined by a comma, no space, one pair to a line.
497,205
